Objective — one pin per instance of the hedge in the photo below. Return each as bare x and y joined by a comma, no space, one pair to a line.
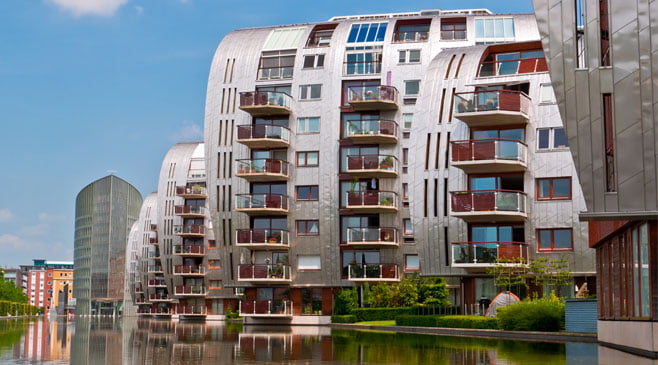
13,309
454,321
345,318
538,315
381,314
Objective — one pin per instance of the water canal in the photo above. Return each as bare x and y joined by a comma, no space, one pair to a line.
152,341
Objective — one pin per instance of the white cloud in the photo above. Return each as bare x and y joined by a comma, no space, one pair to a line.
189,132
47,217
139,9
90,7
5,215
9,241
40,229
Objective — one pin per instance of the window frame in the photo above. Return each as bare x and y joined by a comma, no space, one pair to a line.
306,232
318,61
306,92
211,286
310,192
213,246
543,86
551,139
407,57
405,232
411,82
214,267
305,154
307,124
319,266
407,268
551,196
553,248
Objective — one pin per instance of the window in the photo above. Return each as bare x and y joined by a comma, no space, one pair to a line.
310,92
581,50
551,138
453,29
307,159
407,118
367,33
412,31
308,263
363,60
556,188
411,263
276,65
408,228
605,32
512,63
308,125
405,191
309,192
308,228
50,275
494,29
311,301
321,35
50,283
215,284
409,56
609,138
405,156
214,264
546,94
212,244
411,87
555,239
313,61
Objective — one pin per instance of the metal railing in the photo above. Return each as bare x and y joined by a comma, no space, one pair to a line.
265,98
265,307
189,229
189,270
362,67
372,93
191,190
261,201
366,199
189,209
189,249
156,283
200,310
263,131
356,128
262,166
488,252
488,201
190,290
264,272
489,149
357,163
154,269
159,297
411,36
372,235
492,100
513,67
275,237
275,73
372,271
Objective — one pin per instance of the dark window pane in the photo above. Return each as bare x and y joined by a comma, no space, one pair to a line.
545,239
561,188
544,189
309,61
560,138
542,136
562,238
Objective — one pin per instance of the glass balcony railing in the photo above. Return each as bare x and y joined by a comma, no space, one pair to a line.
488,201
372,199
513,67
262,166
156,297
190,290
358,94
154,269
189,210
250,237
275,73
192,310
263,131
411,36
491,100
372,235
265,98
489,149
189,229
362,67
189,250
189,270
488,253
266,272
262,201
265,308
360,163
374,272
191,191
366,128
157,283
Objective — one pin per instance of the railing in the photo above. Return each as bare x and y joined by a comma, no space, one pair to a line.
488,252
139,289
191,190
275,73
189,209
263,271
492,100
190,269
450,35
140,300
189,249
513,67
372,271
372,93
365,199
154,255
265,98
362,67
262,131
357,163
261,201
153,269
263,166
159,297
265,307
199,310
411,36
356,128
489,149
274,237
153,239
156,283
190,290
488,200
189,229
372,235
158,310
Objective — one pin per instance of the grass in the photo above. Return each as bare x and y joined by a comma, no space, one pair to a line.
378,323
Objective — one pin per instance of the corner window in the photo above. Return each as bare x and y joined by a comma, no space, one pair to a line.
409,56
307,159
411,87
308,227
411,263
557,188
313,61
308,125
309,192
308,263
555,239
551,138
310,92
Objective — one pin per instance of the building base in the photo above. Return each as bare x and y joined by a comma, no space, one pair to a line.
294,320
636,337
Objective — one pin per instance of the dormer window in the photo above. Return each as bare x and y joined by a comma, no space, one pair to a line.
321,35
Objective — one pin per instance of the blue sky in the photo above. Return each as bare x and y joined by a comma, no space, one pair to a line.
88,86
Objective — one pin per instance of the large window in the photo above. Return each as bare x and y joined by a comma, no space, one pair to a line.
555,239
276,65
307,159
491,30
409,56
373,32
412,31
308,125
310,92
453,29
551,138
360,258
308,263
321,35
363,60
411,87
554,188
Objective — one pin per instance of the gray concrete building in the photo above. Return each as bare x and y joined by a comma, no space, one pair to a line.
105,211
602,56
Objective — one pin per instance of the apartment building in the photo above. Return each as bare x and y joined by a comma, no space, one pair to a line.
44,282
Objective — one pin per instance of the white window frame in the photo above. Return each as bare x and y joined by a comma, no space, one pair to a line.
404,56
309,262
305,122
305,91
406,82
409,268
407,118
316,63
543,90
551,139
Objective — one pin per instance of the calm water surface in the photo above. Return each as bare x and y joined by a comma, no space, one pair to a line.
152,341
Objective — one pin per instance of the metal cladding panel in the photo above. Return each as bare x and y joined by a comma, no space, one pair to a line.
581,315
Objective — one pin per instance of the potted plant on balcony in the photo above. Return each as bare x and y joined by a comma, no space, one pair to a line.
197,189
386,202
386,162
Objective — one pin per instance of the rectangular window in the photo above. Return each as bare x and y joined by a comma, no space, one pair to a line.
405,156
310,92
556,188
407,118
551,138
313,61
405,191
309,192
453,29
408,228
411,87
489,30
555,239
363,60
412,30
604,21
215,284
214,264
307,159
321,35
608,135
409,56
411,263
308,125
373,32
308,227
308,263
276,65
546,94
581,50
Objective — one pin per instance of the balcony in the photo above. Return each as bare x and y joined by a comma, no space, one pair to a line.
157,283
191,310
189,250
192,192
512,67
411,36
266,308
487,254
156,311
382,166
160,298
363,98
190,211
352,68
372,237
190,291
190,270
372,131
373,272
258,204
140,300
372,201
262,239
489,205
139,290
263,170
490,155
264,273
264,136
155,269
490,108
262,103
153,239
189,230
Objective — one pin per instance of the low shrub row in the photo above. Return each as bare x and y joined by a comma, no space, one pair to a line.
538,315
381,314
343,318
453,321
20,309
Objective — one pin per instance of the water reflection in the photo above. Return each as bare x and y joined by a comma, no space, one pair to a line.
154,341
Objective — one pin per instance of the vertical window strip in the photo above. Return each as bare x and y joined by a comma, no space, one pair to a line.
443,99
435,199
219,138
223,198
225,166
230,262
232,70
230,164
427,150
446,198
452,97
230,229
604,21
446,246
228,60
224,231
217,199
608,132
228,100
459,65
230,133
447,151
230,198
219,164
449,66
221,110
438,149
425,199
235,98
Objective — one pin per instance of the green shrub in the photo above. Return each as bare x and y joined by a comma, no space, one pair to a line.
545,314
453,321
381,314
344,318
345,300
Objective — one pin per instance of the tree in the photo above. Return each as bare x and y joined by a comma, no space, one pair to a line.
542,271
432,290
10,292
345,300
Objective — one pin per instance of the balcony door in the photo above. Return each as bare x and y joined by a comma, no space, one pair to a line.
501,182
350,227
